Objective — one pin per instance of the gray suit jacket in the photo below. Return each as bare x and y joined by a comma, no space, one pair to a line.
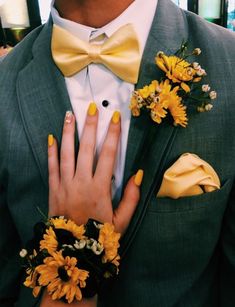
175,252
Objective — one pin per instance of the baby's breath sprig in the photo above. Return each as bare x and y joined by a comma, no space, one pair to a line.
182,81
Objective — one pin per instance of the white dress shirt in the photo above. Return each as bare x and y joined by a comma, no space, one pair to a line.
97,83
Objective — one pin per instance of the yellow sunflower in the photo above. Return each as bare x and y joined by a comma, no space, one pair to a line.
149,90
77,231
110,241
178,112
175,106
168,99
62,277
145,91
49,241
167,94
31,282
176,69
157,112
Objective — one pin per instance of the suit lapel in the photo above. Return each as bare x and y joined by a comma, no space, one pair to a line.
43,99
167,34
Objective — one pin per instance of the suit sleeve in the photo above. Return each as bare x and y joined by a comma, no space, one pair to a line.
9,259
227,269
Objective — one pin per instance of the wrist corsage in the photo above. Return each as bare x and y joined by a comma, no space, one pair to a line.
68,260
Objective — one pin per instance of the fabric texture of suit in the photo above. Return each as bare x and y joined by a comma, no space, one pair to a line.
176,252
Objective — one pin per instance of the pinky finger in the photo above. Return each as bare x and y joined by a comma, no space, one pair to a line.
53,163
124,212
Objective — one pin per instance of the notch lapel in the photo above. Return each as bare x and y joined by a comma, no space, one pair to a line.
43,99
167,33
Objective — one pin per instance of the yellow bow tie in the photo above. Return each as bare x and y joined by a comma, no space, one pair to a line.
120,53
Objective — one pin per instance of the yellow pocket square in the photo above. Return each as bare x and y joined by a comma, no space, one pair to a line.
188,176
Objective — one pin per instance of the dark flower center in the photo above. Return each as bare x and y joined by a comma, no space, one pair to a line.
63,274
64,236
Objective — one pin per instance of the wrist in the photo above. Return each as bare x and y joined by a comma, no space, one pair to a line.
85,302
71,262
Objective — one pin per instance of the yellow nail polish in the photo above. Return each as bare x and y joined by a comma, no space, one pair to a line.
92,109
139,177
50,140
116,117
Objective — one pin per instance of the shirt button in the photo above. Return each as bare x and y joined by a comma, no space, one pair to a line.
105,103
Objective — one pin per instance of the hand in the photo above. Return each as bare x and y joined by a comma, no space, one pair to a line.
79,192
48,302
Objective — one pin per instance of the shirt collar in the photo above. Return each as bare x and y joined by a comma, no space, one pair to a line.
135,14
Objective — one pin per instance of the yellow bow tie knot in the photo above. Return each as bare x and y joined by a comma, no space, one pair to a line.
120,53
94,53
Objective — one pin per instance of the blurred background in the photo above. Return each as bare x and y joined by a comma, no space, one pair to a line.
19,17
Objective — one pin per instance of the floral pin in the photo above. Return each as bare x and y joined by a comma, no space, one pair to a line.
182,81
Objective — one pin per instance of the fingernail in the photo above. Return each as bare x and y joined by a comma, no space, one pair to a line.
116,117
50,140
139,177
92,109
68,117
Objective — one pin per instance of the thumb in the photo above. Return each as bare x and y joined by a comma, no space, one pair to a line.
123,214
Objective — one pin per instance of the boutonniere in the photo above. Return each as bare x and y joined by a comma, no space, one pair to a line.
181,85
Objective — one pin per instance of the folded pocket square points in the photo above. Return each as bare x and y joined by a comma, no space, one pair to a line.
188,176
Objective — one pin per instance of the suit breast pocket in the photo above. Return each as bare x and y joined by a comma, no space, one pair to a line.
212,200
188,226
192,224
178,238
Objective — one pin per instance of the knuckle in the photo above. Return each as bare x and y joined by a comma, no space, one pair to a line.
50,154
65,156
53,187
85,147
52,174
102,191
68,130
109,149
90,121
114,131
131,196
